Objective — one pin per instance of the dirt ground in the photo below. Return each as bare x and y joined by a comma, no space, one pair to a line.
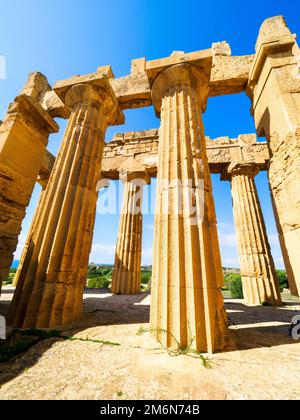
263,361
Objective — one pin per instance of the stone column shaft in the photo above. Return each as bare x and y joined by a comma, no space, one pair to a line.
23,140
50,285
127,268
260,282
187,305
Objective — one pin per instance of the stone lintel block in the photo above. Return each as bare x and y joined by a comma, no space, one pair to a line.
230,74
143,147
221,48
106,70
47,165
132,91
138,65
100,79
36,86
139,136
247,139
55,106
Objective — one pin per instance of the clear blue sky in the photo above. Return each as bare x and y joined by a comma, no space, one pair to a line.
62,38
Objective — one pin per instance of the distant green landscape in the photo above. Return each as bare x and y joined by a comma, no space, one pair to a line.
233,283
100,277
10,277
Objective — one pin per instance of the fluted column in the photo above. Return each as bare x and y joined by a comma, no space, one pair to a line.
23,139
50,285
127,268
187,305
259,278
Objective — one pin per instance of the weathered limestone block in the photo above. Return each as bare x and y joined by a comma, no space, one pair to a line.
46,168
229,74
274,88
23,140
132,91
143,146
221,49
38,88
260,282
187,304
138,65
50,285
54,105
127,269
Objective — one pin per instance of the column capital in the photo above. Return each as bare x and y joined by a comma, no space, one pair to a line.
91,89
250,169
181,76
133,171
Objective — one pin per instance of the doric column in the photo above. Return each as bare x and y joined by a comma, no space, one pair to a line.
23,140
260,282
274,88
187,305
127,269
50,285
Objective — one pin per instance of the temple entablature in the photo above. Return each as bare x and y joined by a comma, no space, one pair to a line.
143,146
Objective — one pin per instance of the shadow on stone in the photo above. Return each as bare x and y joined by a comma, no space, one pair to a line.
257,327
250,327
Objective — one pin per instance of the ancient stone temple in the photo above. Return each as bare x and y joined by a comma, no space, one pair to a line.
187,308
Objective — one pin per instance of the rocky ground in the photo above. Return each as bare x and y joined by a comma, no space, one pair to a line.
263,362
